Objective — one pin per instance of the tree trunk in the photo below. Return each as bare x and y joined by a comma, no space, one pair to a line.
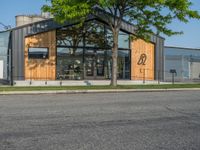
114,58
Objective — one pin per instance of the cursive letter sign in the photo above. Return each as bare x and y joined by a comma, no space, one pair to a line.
142,60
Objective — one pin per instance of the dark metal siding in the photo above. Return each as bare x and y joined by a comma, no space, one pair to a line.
159,58
18,53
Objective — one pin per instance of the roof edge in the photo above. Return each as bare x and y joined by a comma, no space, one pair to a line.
29,24
179,47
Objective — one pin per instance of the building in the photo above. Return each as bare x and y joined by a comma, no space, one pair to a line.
5,56
45,50
186,62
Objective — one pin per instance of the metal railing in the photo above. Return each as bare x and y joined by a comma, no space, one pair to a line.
144,76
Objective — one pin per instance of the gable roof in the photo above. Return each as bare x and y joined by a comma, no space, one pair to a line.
50,24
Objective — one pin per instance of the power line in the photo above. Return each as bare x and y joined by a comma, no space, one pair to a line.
6,27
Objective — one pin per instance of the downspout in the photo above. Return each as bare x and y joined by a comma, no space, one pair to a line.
10,53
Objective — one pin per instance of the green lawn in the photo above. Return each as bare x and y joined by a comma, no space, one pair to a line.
167,86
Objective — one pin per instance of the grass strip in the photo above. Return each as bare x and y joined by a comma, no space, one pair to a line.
53,88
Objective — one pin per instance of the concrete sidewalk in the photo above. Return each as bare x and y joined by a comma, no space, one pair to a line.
83,83
93,91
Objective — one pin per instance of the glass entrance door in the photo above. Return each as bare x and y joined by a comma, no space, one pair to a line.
100,64
89,66
94,64
89,61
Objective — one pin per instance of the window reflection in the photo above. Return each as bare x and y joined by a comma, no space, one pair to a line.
70,36
38,53
123,64
85,52
69,65
123,39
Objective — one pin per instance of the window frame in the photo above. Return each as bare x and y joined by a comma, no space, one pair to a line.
47,56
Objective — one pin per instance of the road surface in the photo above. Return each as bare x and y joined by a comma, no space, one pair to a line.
124,121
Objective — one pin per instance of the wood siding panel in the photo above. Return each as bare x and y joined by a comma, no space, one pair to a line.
41,69
142,60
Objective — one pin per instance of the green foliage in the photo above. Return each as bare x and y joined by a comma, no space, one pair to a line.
146,15
155,15
68,9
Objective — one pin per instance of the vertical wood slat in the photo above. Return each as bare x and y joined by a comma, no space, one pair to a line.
142,71
41,69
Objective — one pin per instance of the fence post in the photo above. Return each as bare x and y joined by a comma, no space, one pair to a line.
143,76
172,78
46,76
30,77
173,72
158,76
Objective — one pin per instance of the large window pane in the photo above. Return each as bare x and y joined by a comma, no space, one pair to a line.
69,63
100,62
123,39
95,34
70,36
96,39
123,64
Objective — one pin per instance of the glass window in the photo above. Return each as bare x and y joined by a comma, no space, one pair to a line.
69,63
124,64
96,60
71,37
95,34
100,62
38,53
123,39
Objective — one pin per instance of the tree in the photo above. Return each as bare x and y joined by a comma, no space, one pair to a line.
146,15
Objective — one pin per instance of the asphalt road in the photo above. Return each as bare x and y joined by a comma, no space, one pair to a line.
125,121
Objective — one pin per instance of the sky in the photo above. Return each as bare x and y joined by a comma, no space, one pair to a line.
191,37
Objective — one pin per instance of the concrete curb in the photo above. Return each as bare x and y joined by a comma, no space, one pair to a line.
94,91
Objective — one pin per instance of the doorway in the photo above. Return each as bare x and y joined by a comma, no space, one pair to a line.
95,64
1,69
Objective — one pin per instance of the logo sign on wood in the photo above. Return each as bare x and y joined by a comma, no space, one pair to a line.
142,60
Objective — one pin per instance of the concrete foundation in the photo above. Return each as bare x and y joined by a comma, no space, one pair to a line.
78,83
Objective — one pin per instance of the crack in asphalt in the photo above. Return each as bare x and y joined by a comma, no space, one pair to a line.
195,116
